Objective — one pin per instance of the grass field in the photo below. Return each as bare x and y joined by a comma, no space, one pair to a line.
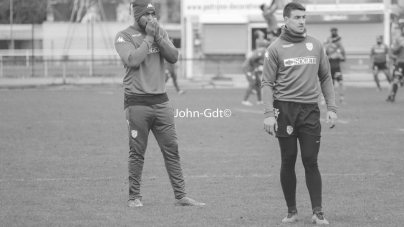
63,162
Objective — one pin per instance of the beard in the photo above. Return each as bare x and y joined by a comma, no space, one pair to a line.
142,22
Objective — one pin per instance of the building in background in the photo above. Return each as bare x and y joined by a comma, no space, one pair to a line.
214,35
227,28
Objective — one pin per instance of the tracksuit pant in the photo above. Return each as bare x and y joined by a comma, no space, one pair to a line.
158,118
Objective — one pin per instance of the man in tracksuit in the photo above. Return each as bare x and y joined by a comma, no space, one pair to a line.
293,66
143,47
251,67
398,73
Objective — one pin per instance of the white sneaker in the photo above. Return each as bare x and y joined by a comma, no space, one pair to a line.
292,217
260,103
135,203
246,103
318,219
186,201
180,92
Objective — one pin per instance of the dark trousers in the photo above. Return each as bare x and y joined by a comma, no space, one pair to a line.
309,146
159,119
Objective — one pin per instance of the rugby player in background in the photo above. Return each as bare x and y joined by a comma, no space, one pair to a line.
336,54
293,65
268,12
398,78
378,56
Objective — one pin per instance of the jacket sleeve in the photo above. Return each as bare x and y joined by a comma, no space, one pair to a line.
131,56
167,49
269,75
372,52
327,88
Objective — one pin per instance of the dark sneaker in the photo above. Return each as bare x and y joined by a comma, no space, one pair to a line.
135,203
186,201
292,217
318,218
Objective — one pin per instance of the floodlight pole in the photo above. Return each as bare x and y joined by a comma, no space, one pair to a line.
92,46
386,21
33,46
11,25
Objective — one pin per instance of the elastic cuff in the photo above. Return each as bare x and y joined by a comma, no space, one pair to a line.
332,109
158,40
269,114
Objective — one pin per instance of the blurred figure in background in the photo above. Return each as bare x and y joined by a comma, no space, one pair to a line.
397,48
171,72
253,64
260,40
336,54
252,68
268,12
378,56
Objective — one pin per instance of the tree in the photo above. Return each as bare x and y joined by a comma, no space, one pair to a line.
24,12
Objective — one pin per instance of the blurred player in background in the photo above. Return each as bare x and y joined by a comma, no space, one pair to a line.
252,68
378,55
268,12
143,47
293,65
398,78
260,40
171,72
336,54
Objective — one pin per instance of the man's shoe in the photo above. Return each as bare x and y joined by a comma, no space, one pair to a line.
390,98
186,201
318,218
246,103
135,203
292,217
180,92
260,103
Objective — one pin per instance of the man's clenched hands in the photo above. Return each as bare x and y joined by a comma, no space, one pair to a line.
152,28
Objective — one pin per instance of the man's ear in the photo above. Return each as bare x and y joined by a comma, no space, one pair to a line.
286,19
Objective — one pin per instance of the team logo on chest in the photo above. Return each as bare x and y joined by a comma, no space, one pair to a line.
154,49
309,60
309,46
289,129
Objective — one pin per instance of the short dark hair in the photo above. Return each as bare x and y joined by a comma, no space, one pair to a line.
292,6
334,29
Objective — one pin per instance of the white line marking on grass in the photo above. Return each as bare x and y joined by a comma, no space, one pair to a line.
249,111
191,176
338,121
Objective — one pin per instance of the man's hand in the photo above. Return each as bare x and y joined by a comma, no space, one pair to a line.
151,28
333,117
270,125
159,33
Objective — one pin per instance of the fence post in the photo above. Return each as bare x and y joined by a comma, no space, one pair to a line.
46,67
27,58
1,66
64,71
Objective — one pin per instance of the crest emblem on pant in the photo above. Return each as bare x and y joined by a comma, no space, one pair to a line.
134,134
309,46
289,129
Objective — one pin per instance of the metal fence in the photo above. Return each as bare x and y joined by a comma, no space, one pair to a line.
84,66
15,67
